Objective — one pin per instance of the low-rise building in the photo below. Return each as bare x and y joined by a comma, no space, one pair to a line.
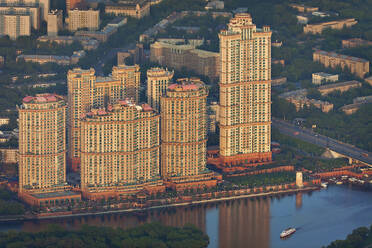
357,103
321,77
137,8
5,136
9,155
302,19
278,81
355,42
215,4
61,60
303,8
342,87
185,56
4,121
299,99
83,19
86,42
318,28
103,35
369,80
357,66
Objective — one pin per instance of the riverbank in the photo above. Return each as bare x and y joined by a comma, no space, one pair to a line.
171,205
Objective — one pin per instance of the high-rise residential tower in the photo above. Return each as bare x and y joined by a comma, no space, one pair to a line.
86,91
245,92
81,96
129,76
158,80
42,143
120,148
184,132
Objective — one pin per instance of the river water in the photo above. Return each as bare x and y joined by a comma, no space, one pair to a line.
320,217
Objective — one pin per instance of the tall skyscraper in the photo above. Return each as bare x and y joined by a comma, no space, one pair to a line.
81,94
86,91
129,77
184,132
158,80
42,143
120,149
245,92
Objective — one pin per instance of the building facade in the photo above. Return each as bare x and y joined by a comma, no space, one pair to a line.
322,77
129,77
184,132
245,92
158,80
355,42
86,91
136,9
55,22
357,66
319,27
81,89
42,4
120,150
79,19
32,10
42,143
15,24
9,155
186,56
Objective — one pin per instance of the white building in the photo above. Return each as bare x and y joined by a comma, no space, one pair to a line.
321,77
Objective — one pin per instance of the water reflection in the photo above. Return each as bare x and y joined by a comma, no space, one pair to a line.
245,223
249,222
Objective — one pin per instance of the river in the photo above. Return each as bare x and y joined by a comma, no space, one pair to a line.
320,217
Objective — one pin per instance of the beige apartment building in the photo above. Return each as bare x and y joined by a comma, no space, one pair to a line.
357,66
355,42
303,8
79,19
32,10
137,8
55,22
342,87
42,4
158,80
184,133
245,92
9,155
42,143
15,24
120,150
129,77
86,91
180,56
319,27
81,89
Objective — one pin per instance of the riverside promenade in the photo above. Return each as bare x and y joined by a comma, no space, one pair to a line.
170,205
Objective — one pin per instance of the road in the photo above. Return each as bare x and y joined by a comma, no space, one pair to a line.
323,141
98,67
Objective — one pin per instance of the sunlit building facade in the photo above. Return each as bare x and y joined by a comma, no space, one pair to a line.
129,77
42,143
120,148
158,79
245,92
184,132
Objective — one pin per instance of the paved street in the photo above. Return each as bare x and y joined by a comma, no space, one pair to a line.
323,141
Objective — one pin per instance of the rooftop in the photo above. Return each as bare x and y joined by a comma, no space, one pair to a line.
341,56
186,84
337,85
55,194
42,98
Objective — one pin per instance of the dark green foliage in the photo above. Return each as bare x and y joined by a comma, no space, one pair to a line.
359,238
148,235
8,204
264,179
